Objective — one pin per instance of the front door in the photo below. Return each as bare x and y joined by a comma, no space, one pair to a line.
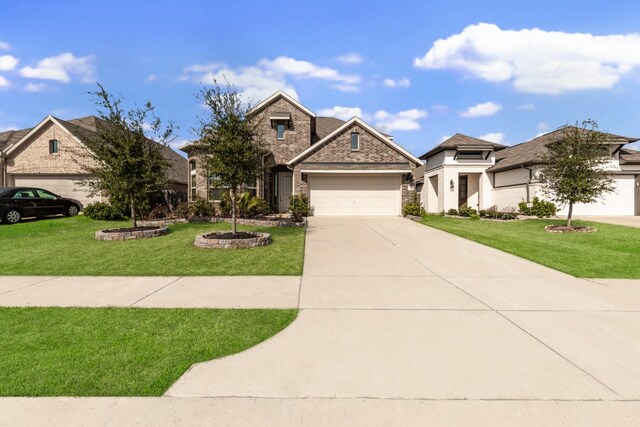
637,195
462,190
285,188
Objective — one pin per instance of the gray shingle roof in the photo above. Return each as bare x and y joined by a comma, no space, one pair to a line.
87,127
629,156
530,152
462,141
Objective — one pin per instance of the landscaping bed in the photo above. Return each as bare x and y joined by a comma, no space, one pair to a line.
67,247
120,351
228,240
127,233
612,252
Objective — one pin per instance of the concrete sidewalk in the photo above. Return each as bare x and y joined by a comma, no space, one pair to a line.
184,292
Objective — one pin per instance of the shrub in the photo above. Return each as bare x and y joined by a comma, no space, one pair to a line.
474,216
121,204
183,210
102,211
539,208
413,207
452,212
298,206
250,206
467,212
201,208
159,212
441,213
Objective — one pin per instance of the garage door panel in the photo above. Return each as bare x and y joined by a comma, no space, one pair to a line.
621,201
64,186
355,194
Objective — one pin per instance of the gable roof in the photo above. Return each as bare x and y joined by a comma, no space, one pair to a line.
280,94
463,141
87,127
530,152
355,120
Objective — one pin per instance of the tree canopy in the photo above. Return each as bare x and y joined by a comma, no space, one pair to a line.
127,163
575,166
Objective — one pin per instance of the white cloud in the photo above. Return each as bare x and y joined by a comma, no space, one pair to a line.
527,107
350,58
497,137
484,109
150,78
403,82
61,67
344,113
35,87
543,126
347,88
4,83
304,69
444,138
259,81
403,120
8,62
535,60
4,45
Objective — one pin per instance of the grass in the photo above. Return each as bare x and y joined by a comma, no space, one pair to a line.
611,252
67,247
119,351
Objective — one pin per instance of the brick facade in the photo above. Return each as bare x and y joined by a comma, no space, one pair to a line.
34,158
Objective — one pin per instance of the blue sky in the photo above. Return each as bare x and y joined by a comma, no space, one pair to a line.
423,70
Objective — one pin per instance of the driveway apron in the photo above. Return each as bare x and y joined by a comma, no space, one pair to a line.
392,309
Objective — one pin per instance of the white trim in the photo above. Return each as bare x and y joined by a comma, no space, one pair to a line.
354,120
37,128
369,171
282,94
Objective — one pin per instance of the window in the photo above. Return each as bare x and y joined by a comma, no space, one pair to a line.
53,146
192,172
214,193
44,194
470,155
250,187
24,194
355,141
280,131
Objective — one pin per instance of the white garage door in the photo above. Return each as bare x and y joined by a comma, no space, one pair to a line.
621,201
355,194
63,185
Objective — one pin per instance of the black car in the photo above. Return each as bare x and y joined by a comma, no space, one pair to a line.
21,202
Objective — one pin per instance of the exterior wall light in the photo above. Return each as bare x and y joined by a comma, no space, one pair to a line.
452,186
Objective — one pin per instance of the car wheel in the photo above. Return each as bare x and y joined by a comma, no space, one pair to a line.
12,216
72,211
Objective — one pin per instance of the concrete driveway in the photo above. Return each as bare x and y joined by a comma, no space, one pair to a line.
628,221
391,309
401,324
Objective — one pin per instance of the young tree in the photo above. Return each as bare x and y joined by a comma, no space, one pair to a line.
126,163
230,142
574,166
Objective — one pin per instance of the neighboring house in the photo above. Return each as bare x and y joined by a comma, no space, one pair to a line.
469,172
346,168
50,156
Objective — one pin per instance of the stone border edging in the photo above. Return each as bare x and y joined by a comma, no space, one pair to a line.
261,239
131,235
243,221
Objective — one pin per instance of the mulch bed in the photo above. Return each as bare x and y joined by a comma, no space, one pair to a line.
230,236
129,229
565,229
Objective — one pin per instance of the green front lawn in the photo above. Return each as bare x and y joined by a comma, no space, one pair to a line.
67,247
119,351
611,252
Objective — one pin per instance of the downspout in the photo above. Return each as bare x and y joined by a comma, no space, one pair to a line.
4,169
528,182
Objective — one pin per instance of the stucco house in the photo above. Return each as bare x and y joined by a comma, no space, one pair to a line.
469,172
345,167
49,156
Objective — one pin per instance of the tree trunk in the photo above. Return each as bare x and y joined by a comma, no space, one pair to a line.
569,214
233,211
132,203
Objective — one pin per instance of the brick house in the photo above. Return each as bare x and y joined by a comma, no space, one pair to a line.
346,168
50,156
